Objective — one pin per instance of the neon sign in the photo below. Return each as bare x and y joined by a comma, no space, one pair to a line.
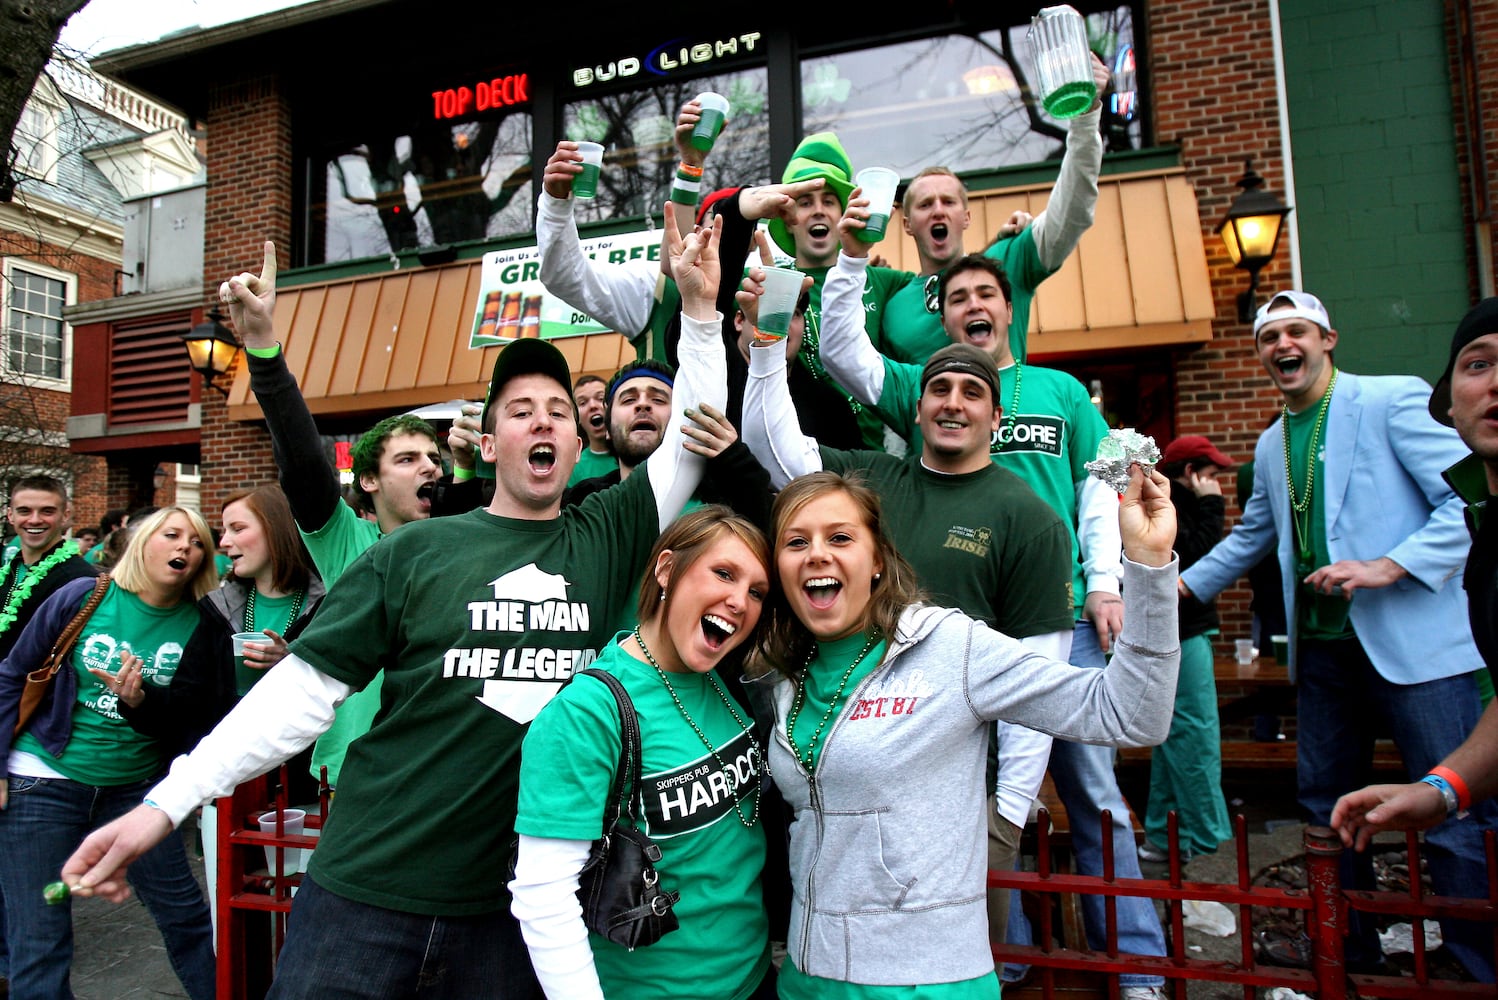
666,58
486,95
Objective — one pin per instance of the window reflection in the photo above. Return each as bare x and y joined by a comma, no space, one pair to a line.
441,183
640,156
962,101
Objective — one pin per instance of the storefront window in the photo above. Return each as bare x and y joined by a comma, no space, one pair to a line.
961,101
441,183
640,157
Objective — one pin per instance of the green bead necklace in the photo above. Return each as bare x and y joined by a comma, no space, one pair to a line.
728,773
249,608
1300,506
807,758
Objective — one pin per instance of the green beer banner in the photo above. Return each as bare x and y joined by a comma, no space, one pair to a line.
512,302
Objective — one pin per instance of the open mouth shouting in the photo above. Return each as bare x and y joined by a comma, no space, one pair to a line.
596,421
426,491
819,230
1289,365
978,332
822,591
177,563
939,232
716,631
542,459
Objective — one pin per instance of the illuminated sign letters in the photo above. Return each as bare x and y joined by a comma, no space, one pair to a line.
666,58
486,95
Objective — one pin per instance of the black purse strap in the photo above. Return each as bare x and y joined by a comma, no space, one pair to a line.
627,774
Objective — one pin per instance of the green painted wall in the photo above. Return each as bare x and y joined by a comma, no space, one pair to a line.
1376,189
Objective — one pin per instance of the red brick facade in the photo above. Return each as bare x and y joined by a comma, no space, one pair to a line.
249,201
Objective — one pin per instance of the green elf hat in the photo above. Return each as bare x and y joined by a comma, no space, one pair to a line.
819,155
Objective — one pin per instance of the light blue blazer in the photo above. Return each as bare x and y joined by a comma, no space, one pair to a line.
1383,495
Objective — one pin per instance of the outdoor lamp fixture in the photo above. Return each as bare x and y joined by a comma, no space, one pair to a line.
211,349
1251,233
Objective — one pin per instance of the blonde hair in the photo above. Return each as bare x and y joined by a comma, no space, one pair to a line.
909,199
130,571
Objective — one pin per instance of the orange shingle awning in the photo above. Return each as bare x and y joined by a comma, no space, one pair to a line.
399,340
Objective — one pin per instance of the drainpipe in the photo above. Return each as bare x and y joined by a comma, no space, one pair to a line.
1477,151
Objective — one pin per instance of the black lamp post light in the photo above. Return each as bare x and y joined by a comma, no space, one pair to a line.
1251,233
211,349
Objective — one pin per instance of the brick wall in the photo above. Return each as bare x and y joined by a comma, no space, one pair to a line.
248,202
1484,28
1212,68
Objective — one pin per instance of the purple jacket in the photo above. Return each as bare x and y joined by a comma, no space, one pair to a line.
52,724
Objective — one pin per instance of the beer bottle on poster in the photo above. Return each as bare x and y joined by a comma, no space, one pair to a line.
530,322
509,317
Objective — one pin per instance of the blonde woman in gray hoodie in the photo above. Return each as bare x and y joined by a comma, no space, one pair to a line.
883,707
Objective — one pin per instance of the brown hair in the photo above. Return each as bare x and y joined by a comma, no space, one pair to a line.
687,538
785,643
291,564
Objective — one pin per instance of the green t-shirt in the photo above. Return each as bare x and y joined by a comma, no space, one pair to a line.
708,855
880,286
1321,616
104,749
793,984
592,465
272,613
825,690
982,542
1055,432
476,621
333,548
913,332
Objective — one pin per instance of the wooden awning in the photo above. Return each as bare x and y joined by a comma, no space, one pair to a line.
399,340
396,341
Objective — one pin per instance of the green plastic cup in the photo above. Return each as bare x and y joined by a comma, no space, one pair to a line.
778,305
710,125
585,184
879,185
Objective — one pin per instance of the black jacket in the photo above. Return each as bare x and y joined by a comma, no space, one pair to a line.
1198,528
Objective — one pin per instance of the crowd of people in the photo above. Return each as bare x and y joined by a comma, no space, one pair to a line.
853,642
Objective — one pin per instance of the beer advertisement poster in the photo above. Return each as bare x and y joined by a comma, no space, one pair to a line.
512,303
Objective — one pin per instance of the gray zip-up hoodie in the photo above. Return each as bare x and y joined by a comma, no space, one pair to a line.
888,856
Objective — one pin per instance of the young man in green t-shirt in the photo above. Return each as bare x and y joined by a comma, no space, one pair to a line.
477,620
935,214
592,426
395,464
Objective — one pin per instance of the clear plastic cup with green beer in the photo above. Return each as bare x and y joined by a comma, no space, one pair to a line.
239,639
585,184
778,304
710,124
879,184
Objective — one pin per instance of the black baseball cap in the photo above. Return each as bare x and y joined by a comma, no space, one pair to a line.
963,358
1480,321
526,357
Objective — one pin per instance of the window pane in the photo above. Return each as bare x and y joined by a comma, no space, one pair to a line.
959,101
34,325
436,184
640,157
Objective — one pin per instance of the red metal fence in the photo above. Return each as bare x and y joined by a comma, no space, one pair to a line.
1323,904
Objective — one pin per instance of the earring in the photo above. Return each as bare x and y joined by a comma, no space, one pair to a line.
877,576
663,595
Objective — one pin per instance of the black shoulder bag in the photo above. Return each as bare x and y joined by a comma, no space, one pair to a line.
618,887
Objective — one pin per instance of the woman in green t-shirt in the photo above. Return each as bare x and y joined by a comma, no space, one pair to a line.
699,791
78,764
883,707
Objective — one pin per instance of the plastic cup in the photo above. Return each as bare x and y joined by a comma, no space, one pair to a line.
778,304
239,639
879,184
1281,645
585,184
1245,652
292,821
710,124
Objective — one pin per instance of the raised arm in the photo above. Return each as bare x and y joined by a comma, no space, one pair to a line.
702,376
307,477
844,346
1073,202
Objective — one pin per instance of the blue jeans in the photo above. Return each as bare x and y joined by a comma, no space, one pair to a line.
338,948
1343,706
44,822
1087,785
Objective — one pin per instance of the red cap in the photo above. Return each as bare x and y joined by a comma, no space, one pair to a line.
1193,446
